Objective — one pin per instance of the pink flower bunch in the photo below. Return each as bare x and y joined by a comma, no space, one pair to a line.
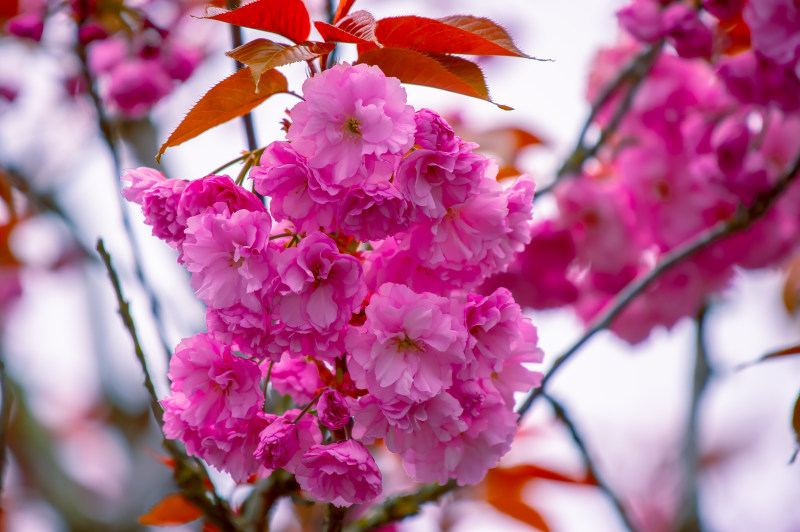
137,73
353,301
700,139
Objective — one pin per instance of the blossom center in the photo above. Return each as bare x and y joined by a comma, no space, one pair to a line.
406,344
352,127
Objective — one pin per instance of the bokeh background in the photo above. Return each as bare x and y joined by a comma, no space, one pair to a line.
81,440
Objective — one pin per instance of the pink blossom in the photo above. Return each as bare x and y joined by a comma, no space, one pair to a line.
284,441
373,210
332,410
218,386
686,32
243,328
229,257
775,29
350,112
319,290
408,345
279,443
160,206
218,193
466,235
105,55
141,180
297,192
342,473
434,133
136,85
227,447
296,377
179,60
26,26
434,181
643,20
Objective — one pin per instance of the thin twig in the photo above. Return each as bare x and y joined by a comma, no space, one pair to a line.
742,219
633,75
189,474
7,399
564,417
396,508
690,521
247,118
107,130
334,518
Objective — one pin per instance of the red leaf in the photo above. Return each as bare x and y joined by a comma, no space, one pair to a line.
791,288
444,72
288,18
342,10
230,98
173,509
262,54
358,28
459,34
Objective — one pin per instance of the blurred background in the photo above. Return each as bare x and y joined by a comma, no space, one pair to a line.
82,446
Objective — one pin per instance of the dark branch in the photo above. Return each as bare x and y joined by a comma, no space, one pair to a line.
397,508
562,415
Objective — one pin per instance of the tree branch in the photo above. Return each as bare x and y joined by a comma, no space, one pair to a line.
690,520
562,416
741,220
189,474
633,75
396,508
7,399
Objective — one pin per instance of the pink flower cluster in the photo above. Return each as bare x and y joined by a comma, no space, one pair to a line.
137,72
709,129
354,301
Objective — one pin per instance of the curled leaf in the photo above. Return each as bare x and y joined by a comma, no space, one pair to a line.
288,18
232,97
444,72
359,28
343,9
173,509
261,55
460,34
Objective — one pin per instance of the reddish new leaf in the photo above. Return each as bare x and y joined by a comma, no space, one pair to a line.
173,509
791,288
342,10
288,18
444,72
459,34
261,55
358,28
230,98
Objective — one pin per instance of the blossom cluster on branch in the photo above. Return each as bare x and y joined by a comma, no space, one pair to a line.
712,125
353,294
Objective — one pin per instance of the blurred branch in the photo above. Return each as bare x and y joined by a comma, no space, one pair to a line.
742,219
45,202
107,130
334,518
562,416
400,507
633,75
257,507
189,474
247,118
127,320
7,399
690,520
